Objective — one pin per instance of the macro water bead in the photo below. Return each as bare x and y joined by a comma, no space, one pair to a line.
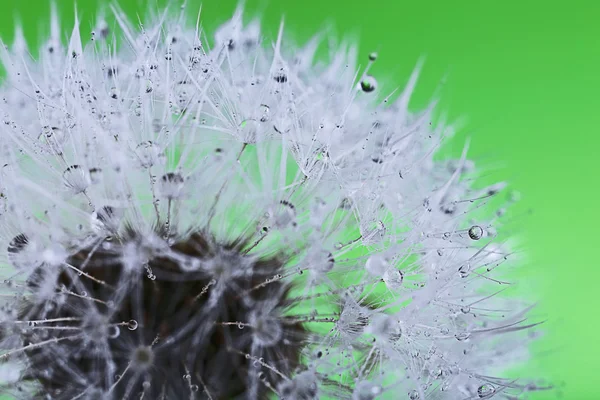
234,218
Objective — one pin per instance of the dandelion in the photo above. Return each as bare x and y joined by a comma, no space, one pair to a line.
238,221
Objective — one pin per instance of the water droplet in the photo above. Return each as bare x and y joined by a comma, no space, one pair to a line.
464,270
413,395
267,330
171,185
194,388
280,77
368,84
462,336
372,56
132,325
393,278
16,246
476,232
113,332
486,390
95,175
264,112
377,265
149,153
366,390
76,178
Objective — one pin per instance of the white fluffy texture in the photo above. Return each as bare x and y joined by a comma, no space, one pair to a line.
403,302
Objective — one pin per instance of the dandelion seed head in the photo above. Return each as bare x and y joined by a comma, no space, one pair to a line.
239,220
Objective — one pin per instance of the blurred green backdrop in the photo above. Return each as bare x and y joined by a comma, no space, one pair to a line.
525,76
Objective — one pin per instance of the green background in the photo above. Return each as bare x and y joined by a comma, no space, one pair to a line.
525,76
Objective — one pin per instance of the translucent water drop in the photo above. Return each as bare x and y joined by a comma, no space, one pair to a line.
414,395
464,270
462,336
113,332
280,77
264,112
486,391
365,390
54,137
142,357
149,153
372,56
171,185
377,265
384,328
267,330
284,215
107,219
393,278
302,386
16,251
194,388
368,84
95,175
132,325
76,179
18,243
476,232
321,261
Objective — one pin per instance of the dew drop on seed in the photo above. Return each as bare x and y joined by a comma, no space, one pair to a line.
107,218
149,153
142,357
280,78
365,390
376,265
267,330
113,332
372,56
171,184
368,84
132,325
76,178
16,246
486,390
18,243
476,232
95,175
321,261
264,112
393,278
